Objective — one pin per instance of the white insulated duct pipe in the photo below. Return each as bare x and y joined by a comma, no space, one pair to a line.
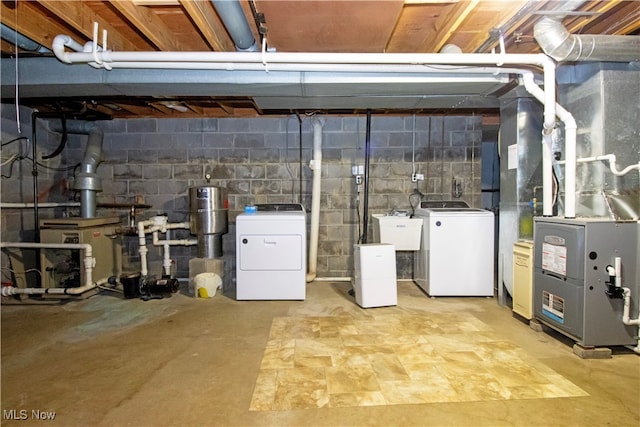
88,261
558,43
316,167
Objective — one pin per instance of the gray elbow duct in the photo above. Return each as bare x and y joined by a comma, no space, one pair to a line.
558,43
86,180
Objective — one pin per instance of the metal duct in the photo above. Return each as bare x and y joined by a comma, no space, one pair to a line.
604,99
236,24
86,180
559,44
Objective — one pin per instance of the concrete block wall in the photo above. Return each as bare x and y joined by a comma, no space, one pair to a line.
257,160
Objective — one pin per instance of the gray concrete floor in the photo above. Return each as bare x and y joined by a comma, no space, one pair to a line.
182,361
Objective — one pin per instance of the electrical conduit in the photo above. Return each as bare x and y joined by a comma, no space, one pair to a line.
316,167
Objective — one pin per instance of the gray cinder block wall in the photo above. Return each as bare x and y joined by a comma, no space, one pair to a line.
257,160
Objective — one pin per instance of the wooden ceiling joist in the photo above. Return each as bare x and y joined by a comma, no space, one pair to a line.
148,24
82,18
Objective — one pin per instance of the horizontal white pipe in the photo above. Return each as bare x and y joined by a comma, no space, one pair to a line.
33,245
10,290
109,59
10,205
176,225
291,57
334,68
180,242
89,264
611,158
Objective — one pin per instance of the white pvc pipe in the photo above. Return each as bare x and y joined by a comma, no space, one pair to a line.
571,138
570,153
180,242
267,59
89,263
289,60
611,158
142,243
627,303
626,318
10,290
166,244
10,205
316,167
153,226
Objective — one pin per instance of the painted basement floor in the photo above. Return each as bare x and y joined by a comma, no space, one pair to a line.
324,361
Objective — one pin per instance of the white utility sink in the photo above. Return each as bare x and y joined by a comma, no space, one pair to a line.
403,232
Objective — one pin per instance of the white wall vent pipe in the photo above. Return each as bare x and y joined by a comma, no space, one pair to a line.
316,167
235,22
558,43
86,180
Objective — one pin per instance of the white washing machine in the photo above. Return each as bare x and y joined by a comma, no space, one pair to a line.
456,251
271,248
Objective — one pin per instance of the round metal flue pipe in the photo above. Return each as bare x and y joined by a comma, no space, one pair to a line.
235,22
558,43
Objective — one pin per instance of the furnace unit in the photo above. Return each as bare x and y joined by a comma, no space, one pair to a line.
63,268
573,290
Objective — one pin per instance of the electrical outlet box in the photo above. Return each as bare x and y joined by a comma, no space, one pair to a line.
417,177
357,170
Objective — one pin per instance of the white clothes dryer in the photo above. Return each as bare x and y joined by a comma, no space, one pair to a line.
271,248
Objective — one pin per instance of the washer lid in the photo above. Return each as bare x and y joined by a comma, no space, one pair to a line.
443,204
279,207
